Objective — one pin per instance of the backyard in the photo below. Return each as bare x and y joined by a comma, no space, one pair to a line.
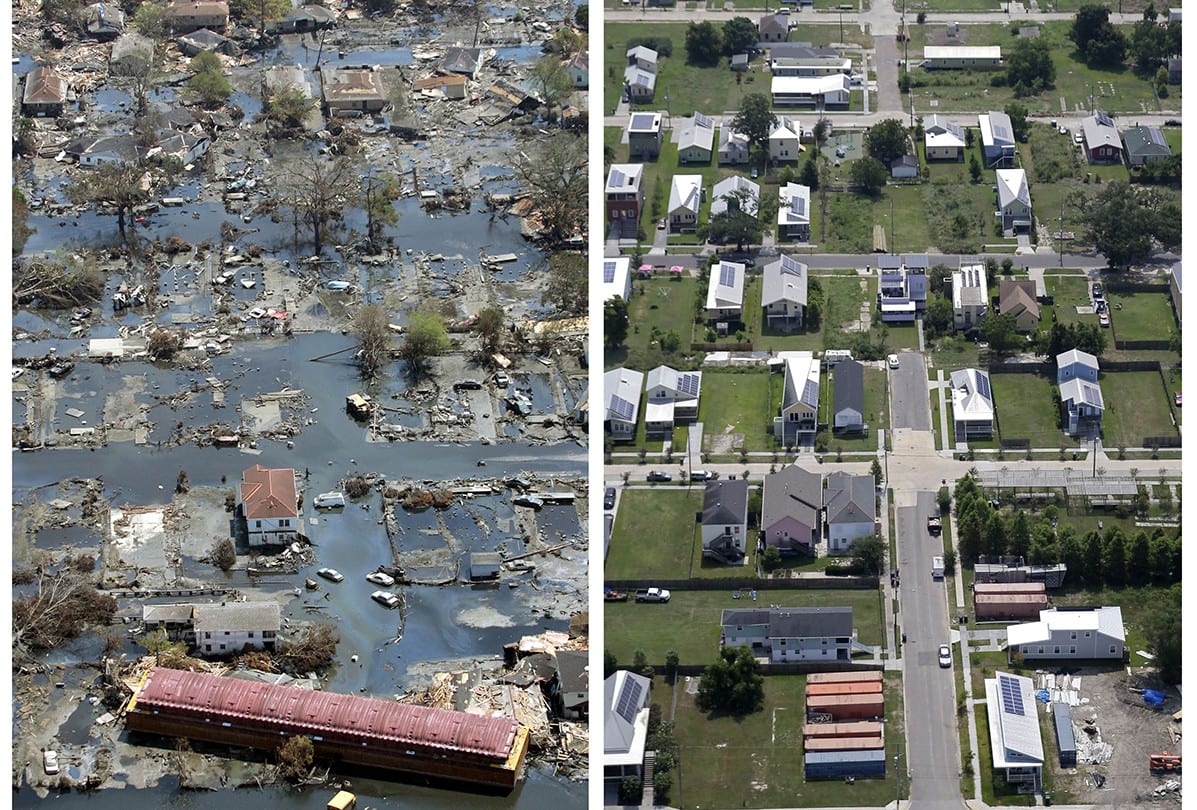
1026,410
737,410
1136,408
1141,316
652,533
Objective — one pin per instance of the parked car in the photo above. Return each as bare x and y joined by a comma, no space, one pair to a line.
1078,139
1176,398
379,578
661,224
893,361
50,761
467,385
609,498
331,574
502,379
703,475
945,655
385,598
657,475
1098,291
1104,319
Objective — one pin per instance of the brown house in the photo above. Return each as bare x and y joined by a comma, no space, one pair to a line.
1017,298
190,15
995,601
353,89
45,92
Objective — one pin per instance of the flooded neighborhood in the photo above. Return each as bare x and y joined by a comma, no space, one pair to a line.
299,404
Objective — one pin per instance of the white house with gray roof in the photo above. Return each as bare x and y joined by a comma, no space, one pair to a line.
1014,199
847,411
695,139
725,292
997,139
799,415
1077,633
670,397
783,292
851,502
626,699
944,140
621,392
735,193
1016,744
617,278
785,139
685,200
970,296
725,520
225,629
972,404
790,633
793,212
733,146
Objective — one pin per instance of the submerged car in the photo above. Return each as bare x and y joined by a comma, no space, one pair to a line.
379,578
385,598
331,574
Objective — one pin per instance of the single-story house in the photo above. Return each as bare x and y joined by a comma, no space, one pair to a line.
997,139
791,510
799,416
962,57
130,52
466,61
725,292
785,140
624,197
353,89
793,212
970,296
186,147
226,629
904,167
1102,144
188,15
452,85
644,135
1077,633
685,200
1076,364
820,92
579,70
725,520
626,698
1016,744
91,151
943,139
790,633
783,292
45,92
1014,200
1145,145
733,146
847,411
804,59
735,193
305,18
621,390
269,505
773,28
695,139
617,278
670,398
851,502
639,84
643,58
1016,297
972,404
202,40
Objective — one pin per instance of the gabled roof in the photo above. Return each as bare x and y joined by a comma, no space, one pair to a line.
972,396
849,386
642,54
697,131
787,129
996,129
801,381
1099,131
683,385
269,493
203,39
1071,356
573,669
580,61
1082,391
236,616
726,286
104,18
1146,142
462,60
850,498
1016,296
792,492
784,280
45,85
728,188
728,137
725,502
624,177
773,24
635,76
351,84
615,277
1012,185
794,207
189,8
685,193
811,622
1013,721
1104,620
621,390
626,696
942,133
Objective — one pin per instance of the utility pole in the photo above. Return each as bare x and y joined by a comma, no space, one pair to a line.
1060,235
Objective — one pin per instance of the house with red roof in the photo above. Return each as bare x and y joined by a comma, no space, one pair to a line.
269,506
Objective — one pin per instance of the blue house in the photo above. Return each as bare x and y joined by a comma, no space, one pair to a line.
1074,364
1081,402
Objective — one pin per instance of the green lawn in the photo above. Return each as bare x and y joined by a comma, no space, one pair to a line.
1025,409
755,759
657,628
664,304
1142,316
953,353
1136,407
652,532
875,412
1069,292
742,404
850,217
1137,606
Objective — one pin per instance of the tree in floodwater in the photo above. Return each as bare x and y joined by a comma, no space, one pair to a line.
425,337
380,190
554,172
119,186
317,190
373,338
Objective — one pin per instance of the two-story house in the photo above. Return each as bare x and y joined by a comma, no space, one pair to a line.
268,504
1016,297
784,293
725,293
970,296
617,278
624,198
1016,744
799,417
226,629
188,15
773,28
785,140
45,92
1076,633
670,398
972,404
735,193
1081,401
902,294
1014,200
851,502
353,89
997,139
790,633
621,390
626,699
733,146
571,692
644,135
793,212
791,509
725,520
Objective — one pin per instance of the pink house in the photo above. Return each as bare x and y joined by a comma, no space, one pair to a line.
790,510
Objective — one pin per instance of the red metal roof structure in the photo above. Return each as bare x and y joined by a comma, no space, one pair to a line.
352,718
269,493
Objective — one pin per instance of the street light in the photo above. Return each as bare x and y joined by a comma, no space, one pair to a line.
897,783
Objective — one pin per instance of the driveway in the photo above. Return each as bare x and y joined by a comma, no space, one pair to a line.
909,407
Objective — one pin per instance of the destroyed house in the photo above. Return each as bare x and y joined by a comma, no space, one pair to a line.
190,15
452,85
358,731
268,504
466,61
281,78
45,92
202,40
352,89
104,20
304,18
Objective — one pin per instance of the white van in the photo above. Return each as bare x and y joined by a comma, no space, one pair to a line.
833,356
937,567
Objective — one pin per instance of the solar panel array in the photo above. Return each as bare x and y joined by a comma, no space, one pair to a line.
692,199
727,275
608,272
798,205
810,393
618,178
788,265
642,121
1091,393
983,386
1011,695
954,129
1103,119
688,384
1157,136
622,408
629,700
701,120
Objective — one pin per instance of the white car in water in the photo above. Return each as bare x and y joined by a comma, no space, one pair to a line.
379,578
385,598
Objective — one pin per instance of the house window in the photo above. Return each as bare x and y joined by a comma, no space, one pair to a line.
1113,650
1072,650
1057,652
783,642
1073,636
1041,651
251,633
1086,634
257,524
222,647
284,523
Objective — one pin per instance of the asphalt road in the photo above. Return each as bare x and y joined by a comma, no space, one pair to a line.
909,406
932,746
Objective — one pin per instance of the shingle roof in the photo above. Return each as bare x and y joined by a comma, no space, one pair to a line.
849,386
792,492
1012,185
236,616
784,280
850,498
725,502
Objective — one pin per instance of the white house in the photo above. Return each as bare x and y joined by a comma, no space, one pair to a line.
997,139
685,200
1014,200
1069,632
799,415
573,682
725,292
626,698
790,633
725,520
784,140
943,139
617,278
735,193
621,390
579,70
643,58
695,139
1015,742
269,505
225,629
640,85
962,57
970,296
803,59
733,146
851,502
819,92
793,212
670,397
783,292
972,404
904,167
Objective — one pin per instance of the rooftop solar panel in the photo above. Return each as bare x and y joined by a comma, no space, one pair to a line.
1157,136
621,407
810,393
983,386
1091,394
1103,119
727,275
608,272
629,701
701,120
617,178
799,205
788,265
1000,131
688,384
954,129
642,121
692,199
1011,695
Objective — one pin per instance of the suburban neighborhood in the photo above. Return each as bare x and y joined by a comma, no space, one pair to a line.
935,413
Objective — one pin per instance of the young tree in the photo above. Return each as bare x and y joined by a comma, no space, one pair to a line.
286,110
1018,119
810,173
224,554
732,684
739,35
490,327
974,168
887,140
380,190
704,43
869,175
875,469
424,338
373,334
150,21
755,121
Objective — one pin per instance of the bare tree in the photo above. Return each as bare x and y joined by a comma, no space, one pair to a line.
56,283
112,185
63,605
373,335
555,174
311,649
318,190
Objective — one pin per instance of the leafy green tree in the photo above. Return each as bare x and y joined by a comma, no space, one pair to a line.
631,790
20,222
610,664
1164,634
1018,119
733,684
996,537
1087,25
615,321
550,78
1091,551
974,168
939,316
869,175
489,326
810,173
582,16
739,35
1000,331
887,140
380,191
150,21
1019,536
704,44
733,226
209,82
771,558
1138,564
875,471
1118,226
1029,63
869,553
755,121
287,110
671,665
1163,571
424,338
554,173
1113,557
815,301
566,288
1148,45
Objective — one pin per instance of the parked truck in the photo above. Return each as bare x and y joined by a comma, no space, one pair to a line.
652,595
934,525
937,567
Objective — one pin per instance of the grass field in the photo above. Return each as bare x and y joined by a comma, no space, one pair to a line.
666,305
1143,316
652,533
1025,409
742,404
1069,292
1136,407
656,629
